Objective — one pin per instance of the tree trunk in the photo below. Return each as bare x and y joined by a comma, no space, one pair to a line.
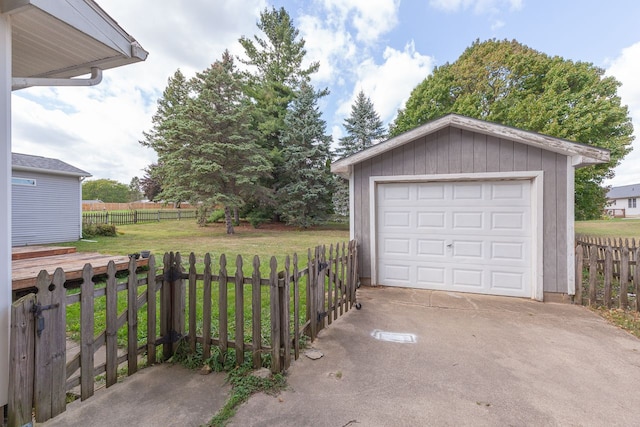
228,220
236,214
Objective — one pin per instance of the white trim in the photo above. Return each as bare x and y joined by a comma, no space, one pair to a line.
571,234
352,208
537,215
584,154
5,206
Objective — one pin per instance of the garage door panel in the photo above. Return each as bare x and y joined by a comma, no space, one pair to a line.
427,247
468,237
467,248
431,276
397,192
431,192
396,271
509,251
431,220
468,277
397,246
396,219
514,281
467,191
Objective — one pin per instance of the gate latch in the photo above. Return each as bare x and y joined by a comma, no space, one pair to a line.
37,310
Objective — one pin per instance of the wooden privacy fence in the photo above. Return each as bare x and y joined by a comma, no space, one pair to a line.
607,272
136,216
260,315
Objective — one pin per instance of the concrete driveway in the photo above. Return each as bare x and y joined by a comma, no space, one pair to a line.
474,360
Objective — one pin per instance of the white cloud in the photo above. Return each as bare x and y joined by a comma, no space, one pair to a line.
389,84
478,6
332,47
626,69
97,129
370,18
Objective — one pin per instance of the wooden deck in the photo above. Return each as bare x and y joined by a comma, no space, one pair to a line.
28,264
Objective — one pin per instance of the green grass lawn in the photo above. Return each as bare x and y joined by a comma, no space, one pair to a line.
618,227
186,237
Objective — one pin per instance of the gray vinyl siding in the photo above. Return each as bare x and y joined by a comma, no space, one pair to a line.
453,150
46,213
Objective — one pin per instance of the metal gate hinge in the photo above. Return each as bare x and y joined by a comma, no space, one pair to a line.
37,310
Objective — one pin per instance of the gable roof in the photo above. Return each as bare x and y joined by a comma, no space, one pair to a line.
26,162
624,191
582,154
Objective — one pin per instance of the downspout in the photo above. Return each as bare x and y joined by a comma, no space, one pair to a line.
24,82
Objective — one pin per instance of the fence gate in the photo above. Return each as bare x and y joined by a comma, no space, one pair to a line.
37,380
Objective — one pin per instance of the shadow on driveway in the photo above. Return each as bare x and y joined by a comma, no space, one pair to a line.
475,360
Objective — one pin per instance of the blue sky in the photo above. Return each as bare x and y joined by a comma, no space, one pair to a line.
384,47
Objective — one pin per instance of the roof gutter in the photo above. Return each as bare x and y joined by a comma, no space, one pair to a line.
49,171
24,82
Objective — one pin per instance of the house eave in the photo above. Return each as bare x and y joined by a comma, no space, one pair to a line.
79,31
50,171
583,154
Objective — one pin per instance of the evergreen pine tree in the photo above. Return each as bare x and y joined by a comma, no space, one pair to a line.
364,127
305,197
215,159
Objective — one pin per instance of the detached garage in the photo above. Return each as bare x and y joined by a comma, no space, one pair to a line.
464,205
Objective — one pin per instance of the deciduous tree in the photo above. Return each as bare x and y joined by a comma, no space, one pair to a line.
107,190
509,83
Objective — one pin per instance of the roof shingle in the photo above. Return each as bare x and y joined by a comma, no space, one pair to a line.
27,161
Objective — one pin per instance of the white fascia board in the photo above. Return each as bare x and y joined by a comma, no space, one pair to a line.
49,171
87,17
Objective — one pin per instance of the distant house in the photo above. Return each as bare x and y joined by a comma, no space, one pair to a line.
624,201
46,200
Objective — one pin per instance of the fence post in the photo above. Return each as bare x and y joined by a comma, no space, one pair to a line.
151,311
285,325
172,304
256,313
239,312
593,272
87,316
21,374
223,313
50,348
320,310
275,320
608,275
636,277
132,318
624,276
192,302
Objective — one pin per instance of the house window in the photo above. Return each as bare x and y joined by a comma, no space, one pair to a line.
632,203
23,181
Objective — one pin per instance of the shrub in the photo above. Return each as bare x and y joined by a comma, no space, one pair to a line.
92,230
258,217
216,216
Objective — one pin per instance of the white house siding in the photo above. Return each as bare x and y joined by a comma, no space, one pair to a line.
454,151
624,204
48,212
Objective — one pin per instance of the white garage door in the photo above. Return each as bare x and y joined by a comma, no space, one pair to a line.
458,236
